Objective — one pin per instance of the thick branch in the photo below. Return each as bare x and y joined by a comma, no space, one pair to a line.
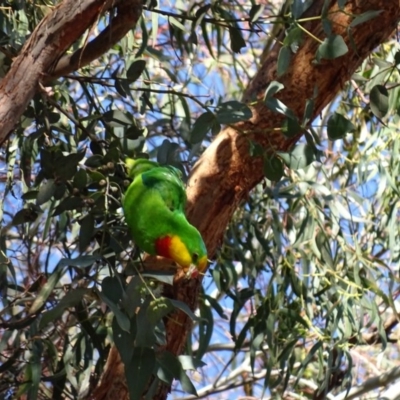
373,383
227,172
128,13
53,36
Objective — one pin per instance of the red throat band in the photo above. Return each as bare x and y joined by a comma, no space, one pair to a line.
163,246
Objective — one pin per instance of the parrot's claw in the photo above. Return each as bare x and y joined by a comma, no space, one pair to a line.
192,272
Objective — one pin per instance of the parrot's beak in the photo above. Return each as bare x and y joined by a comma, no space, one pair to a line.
195,270
202,264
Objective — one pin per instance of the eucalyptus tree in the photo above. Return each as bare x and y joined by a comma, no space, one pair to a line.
283,118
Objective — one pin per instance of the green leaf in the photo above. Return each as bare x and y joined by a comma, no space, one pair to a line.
120,87
124,341
82,261
60,191
66,166
31,195
96,148
24,215
123,320
96,177
294,38
327,26
139,371
117,118
132,298
158,309
135,70
273,88
291,127
69,203
190,363
86,232
233,111
278,107
308,111
167,153
339,126
297,8
46,192
237,41
311,354
201,12
146,328
161,276
133,132
177,24
72,298
207,39
202,126
185,308
364,17
284,57
187,384
300,157
216,306
169,367
46,290
397,57
94,162
205,326
255,12
332,47
80,179
379,101
273,168
111,287
325,249
35,370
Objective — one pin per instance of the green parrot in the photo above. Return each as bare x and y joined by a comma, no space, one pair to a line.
154,208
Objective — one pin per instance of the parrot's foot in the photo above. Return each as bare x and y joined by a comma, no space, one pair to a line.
192,272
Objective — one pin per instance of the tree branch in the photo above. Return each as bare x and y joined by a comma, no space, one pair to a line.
370,384
39,58
128,13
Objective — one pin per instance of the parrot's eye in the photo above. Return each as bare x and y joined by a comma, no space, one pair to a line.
195,257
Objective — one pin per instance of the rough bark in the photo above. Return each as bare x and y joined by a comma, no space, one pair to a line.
41,59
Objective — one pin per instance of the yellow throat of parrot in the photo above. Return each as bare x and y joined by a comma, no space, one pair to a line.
173,248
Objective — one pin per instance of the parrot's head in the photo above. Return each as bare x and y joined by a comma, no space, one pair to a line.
140,165
188,251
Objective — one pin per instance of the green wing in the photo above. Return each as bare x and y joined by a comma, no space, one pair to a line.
166,184
154,202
